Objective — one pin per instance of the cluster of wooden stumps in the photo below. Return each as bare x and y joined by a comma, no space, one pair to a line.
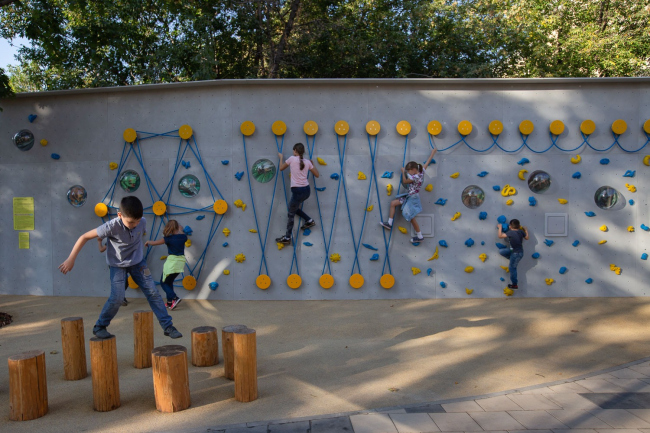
28,383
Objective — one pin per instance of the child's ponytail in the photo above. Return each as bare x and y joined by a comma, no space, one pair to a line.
300,150
420,168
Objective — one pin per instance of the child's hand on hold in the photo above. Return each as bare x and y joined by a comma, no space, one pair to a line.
146,244
66,266
279,155
402,169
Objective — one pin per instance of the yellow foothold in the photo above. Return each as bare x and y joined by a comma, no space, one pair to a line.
361,176
263,282
247,128
226,232
455,175
434,256
526,127
252,230
522,174
576,159
132,283
189,282
508,292
188,243
240,204
310,127
508,190
226,272
505,268
588,127
220,207
326,281
615,269
43,142
185,132
403,127
387,281
556,127
428,188
604,241
101,209
163,257
159,208
603,228
341,127
112,165
373,127
630,228
130,135
370,208
510,202
563,200
335,257
495,127
469,291
619,127
646,160
483,257
415,271
646,126
389,189
549,281
240,258
465,127
356,281
294,281
280,245
469,269
456,216
630,188
401,229
434,127
321,161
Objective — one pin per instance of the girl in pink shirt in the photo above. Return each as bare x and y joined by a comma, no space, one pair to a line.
300,191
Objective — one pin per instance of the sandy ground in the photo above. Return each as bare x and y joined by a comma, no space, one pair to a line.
325,357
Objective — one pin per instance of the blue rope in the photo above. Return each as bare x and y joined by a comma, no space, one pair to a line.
381,216
275,184
347,203
336,203
177,164
250,189
320,215
164,134
207,175
399,185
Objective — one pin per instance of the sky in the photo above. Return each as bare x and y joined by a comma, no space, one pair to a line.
7,52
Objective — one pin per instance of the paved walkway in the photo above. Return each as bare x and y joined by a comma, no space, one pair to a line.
615,400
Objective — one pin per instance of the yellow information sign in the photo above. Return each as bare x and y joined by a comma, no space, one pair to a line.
23,240
23,213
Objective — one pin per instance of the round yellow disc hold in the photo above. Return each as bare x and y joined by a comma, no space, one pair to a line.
588,127
526,127
495,127
185,132
341,127
373,127
326,281
619,127
310,127
556,127
130,135
294,281
278,127
263,282
403,127
434,127
132,284
646,126
101,209
387,281
247,128
465,127
189,282
159,208
220,207
356,281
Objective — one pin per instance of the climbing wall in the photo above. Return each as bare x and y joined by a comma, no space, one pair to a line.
492,135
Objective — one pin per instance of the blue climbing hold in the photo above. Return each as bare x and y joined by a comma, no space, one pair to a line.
55,156
644,256
308,244
501,219
443,243
441,201
31,118
415,244
320,189
482,216
387,175
536,255
429,272
604,161
482,174
370,247
482,242
225,244
589,280
443,284
523,161
334,176
500,245
496,188
645,227
548,242
576,243
563,270
239,175
187,230
576,175
532,201
631,202
590,214
469,242
225,162
306,232
502,279
200,217
505,228
374,257
187,164
629,173
213,285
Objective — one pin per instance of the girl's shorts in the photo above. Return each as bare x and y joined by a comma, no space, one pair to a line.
411,206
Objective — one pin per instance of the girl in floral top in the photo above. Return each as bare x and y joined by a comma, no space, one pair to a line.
412,177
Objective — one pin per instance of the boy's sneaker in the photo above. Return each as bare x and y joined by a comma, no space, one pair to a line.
308,224
172,332
283,240
125,302
415,240
174,303
513,286
386,225
101,333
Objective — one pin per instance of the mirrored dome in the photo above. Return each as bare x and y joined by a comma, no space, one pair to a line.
77,195
473,196
24,140
606,197
263,170
539,181
129,180
189,185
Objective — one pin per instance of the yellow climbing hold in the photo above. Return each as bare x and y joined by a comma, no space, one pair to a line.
403,127
311,128
576,159
469,269
563,200
185,132
455,175
434,127
434,256
603,228
321,161
101,209
163,257
43,142
508,190
415,271
341,128
370,208
508,292
556,127
226,272
646,160
464,127
130,135
280,245
428,188
188,243
361,176
389,189
604,241
240,204
587,126
526,127
226,232
614,268
401,229
495,127
549,281
505,268
252,230
630,228
510,202
630,188
239,258
456,216
189,282
159,208
619,127
522,174
483,257
279,127
247,128
469,291
132,283
112,165
335,257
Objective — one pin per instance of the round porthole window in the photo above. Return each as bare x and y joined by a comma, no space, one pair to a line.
473,196
606,197
189,185
24,140
263,170
539,181
129,180
77,195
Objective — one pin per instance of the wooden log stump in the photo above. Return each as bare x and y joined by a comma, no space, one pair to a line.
205,346
245,365
74,348
142,338
171,384
228,350
103,365
27,386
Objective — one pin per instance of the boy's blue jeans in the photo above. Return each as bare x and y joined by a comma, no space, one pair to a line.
514,257
142,276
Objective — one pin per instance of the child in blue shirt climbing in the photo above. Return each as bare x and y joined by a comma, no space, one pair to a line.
412,177
516,234
175,240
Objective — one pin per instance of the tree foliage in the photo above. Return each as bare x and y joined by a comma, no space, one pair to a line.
86,43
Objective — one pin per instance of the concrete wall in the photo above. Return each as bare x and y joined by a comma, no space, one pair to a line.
85,128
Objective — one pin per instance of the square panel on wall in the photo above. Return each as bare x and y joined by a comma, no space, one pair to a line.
556,224
426,225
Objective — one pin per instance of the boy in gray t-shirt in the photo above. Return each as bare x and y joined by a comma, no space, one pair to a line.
516,234
124,256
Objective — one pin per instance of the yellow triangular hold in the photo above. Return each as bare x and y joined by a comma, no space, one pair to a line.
549,281
483,257
370,208
505,268
434,256
321,161
280,245
563,200
188,243
361,176
415,271
469,291
428,188
401,229
455,175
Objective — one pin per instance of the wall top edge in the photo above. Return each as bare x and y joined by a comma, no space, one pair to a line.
432,82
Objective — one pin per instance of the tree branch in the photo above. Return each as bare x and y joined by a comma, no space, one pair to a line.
7,2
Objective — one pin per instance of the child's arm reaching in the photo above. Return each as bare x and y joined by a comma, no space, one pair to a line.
314,170
525,231
283,165
154,243
426,164
501,234
100,245
405,179
67,266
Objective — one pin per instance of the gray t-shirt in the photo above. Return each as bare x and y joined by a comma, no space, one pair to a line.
516,240
124,246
